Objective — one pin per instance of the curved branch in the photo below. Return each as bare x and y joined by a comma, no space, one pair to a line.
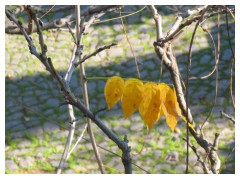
164,52
179,25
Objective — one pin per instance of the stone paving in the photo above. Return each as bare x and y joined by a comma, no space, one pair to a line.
36,126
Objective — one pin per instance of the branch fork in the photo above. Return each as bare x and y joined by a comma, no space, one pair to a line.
165,53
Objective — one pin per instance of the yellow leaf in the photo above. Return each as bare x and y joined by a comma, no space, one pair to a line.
113,90
132,96
150,106
168,105
179,112
171,119
163,91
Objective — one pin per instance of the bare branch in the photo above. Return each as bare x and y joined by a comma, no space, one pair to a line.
223,114
79,31
31,46
77,142
61,22
213,156
215,56
71,32
178,27
41,10
233,59
188,74
199,158
40,34
95,53
164,52
71,131
158,20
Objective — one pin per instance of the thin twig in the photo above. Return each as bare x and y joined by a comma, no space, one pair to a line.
107,20
78,140
40,34
94,53
229,10
187,79
22,30
61,22
181,16
215,57
71,131
227,116
135,58
158,20
30,18
71,32
49,10
72,119
215,161
216,66
233,60
199,158
79,32
190,21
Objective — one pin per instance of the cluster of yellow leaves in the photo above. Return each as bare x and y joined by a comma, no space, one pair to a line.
153,100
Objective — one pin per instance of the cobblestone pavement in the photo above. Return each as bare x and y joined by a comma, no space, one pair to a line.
36,126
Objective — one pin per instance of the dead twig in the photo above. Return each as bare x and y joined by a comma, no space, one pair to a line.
199,158
61,22
80,28
233,58
94,53
216,66
215,57
223,114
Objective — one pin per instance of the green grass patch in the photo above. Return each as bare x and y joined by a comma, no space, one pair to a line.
9,141
48,152
44,165
34,140
7,171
